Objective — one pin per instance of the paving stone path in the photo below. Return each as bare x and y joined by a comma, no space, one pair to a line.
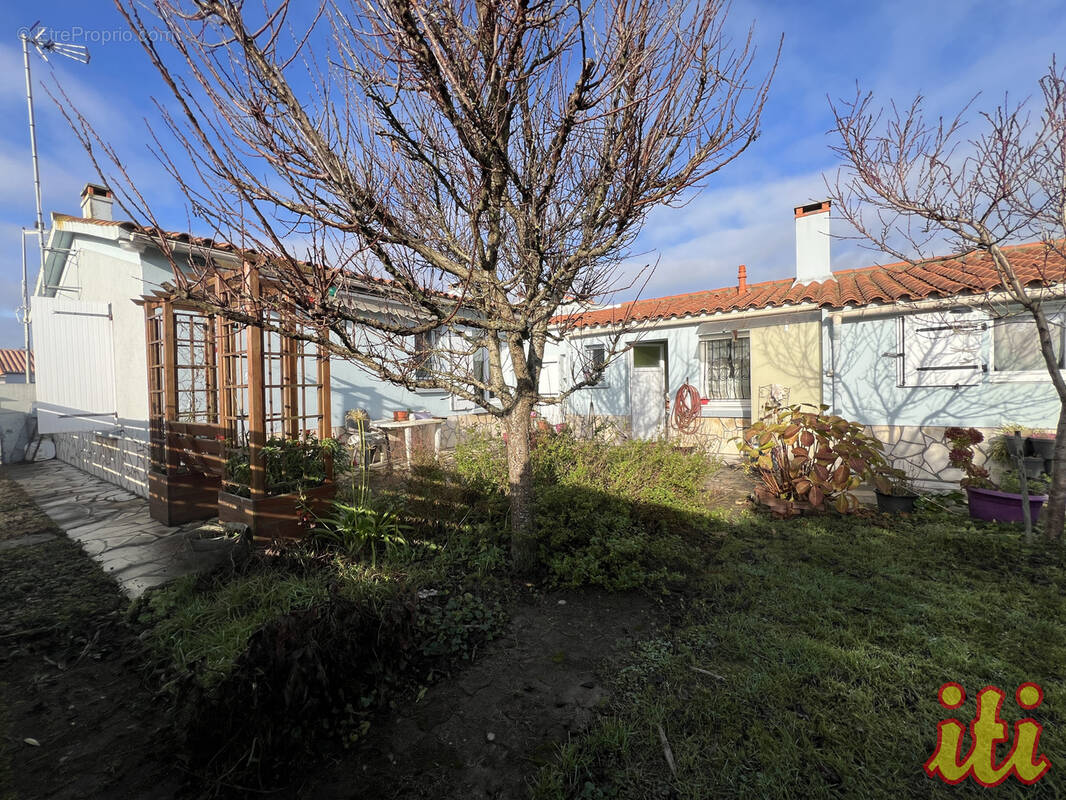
113,526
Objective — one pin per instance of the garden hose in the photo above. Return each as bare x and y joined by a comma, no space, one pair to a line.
687,409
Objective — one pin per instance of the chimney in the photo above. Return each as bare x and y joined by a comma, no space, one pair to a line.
96,202
742,279
812,243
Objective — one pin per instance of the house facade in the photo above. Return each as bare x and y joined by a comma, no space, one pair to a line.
908,350
91,351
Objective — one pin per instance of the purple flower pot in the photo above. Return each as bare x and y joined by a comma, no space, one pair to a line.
994,506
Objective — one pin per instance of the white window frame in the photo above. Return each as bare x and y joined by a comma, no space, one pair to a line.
586,350
734,408
1023,376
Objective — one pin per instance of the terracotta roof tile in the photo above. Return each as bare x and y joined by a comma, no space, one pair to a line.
1036,264
14,361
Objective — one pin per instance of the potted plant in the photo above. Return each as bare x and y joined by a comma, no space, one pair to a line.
897,495
401,416
298,480
986,500
1041,445
808,460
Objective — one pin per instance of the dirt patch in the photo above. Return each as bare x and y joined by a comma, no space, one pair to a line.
19,517
484,733
76,719
729,488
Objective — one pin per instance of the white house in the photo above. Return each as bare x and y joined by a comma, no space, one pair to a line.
90,346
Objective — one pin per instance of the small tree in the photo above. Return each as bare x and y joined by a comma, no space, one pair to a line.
490,160
911,183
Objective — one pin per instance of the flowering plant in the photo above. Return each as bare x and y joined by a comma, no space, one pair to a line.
961,456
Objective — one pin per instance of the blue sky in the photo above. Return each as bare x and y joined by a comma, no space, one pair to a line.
947,50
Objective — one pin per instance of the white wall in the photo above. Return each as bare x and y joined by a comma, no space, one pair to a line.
16,420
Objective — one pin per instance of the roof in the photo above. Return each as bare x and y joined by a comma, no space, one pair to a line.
1036,263
116,229
14,361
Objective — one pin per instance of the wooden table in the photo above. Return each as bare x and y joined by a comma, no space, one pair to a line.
407,426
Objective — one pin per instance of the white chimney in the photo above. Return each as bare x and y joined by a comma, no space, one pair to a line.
96,202
812,243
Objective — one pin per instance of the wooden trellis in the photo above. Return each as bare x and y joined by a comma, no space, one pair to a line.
215,384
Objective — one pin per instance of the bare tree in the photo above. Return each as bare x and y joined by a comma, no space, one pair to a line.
489,160
912,183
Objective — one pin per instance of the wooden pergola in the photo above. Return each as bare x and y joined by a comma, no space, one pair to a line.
215,384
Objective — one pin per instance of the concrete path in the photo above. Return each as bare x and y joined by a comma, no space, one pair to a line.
113,526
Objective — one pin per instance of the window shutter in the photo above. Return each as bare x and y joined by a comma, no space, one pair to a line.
75,365
943,349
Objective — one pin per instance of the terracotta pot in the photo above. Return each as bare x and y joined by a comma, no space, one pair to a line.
400,416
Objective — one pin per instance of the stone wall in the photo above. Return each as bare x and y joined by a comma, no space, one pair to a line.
121,460
920,451
714,435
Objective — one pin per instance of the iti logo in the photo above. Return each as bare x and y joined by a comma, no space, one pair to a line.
987,731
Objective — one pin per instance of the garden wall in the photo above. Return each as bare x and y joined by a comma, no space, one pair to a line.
17,421
119,459
920,451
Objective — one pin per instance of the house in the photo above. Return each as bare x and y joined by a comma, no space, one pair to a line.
16,403
13,366
91,347
907,350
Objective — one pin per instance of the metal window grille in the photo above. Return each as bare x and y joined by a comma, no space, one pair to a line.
727,369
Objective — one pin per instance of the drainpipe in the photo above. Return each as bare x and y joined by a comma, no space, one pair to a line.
834,345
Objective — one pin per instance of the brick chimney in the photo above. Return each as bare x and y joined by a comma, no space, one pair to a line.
742,279
96,201
812,243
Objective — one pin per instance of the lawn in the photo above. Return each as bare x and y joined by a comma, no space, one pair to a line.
796,658
807,664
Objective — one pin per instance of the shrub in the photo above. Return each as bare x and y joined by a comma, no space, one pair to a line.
814,457
617,516
291,464
481,461
594,538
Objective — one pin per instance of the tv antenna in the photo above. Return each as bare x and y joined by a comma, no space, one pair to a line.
37,35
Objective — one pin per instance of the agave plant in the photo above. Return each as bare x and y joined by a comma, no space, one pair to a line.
809,456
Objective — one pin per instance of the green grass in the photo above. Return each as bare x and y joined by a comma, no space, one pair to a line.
828,639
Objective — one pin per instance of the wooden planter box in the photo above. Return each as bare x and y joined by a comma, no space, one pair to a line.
177,499
276,516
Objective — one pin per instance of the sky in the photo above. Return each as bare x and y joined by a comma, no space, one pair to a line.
946,50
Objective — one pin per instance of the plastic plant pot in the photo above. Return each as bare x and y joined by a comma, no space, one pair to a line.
992,505
1042,446
896,503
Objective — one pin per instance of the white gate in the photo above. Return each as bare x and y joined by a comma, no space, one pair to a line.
75,365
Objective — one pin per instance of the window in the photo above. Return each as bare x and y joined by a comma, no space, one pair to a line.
595,359
1016,345
726,368
425,354
942,349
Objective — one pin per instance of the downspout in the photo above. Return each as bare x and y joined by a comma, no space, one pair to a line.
835,321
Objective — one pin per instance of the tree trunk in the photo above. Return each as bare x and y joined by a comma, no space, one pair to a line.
1055,515
520,475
